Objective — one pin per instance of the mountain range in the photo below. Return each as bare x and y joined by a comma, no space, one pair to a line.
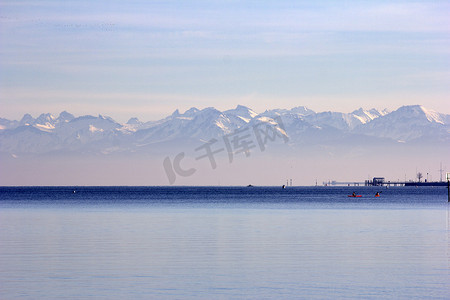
296,127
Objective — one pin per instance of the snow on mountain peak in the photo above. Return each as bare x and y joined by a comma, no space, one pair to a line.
421,112
45,122
407,123
365,116
66,132
378,112
339,120
45,118
433,116
106,118
94,129
302,111
242,112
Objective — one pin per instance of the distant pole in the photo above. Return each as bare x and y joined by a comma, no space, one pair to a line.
448,186
448,190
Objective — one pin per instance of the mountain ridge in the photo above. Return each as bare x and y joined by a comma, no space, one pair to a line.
300,125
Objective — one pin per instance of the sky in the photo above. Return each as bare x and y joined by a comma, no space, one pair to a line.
148,58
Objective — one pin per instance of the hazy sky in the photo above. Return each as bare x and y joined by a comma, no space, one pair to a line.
147,58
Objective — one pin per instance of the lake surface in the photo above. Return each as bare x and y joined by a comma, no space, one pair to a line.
224,243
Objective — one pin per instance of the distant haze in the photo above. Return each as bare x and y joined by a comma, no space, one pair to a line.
231,147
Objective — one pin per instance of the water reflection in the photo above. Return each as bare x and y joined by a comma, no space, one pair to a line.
223,253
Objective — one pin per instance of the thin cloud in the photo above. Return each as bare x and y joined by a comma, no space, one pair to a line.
216,52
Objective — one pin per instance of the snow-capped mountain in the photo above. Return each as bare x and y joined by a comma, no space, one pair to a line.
366,116
241,112
409,123
344,121
299,125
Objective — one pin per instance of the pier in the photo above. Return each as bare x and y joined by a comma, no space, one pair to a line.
380,181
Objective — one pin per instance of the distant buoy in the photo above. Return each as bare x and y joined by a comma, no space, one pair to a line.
74,192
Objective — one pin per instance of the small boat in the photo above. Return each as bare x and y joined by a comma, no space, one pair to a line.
354,195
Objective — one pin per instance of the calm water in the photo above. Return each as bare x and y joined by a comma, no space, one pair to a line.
223,243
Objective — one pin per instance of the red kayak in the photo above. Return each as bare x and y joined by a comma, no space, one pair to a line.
355,196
